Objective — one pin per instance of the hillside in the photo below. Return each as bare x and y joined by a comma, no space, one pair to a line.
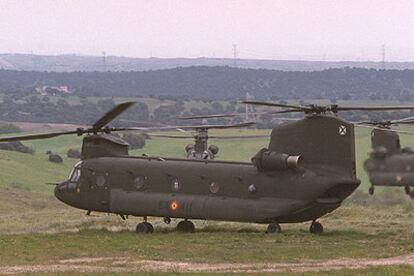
71,63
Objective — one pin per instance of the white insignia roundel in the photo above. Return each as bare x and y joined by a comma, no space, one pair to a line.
342,130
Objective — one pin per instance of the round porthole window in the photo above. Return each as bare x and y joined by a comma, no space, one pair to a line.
100,180
252,189
139,183
175,184
214,187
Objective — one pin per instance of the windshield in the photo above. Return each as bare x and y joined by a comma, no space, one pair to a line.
76,173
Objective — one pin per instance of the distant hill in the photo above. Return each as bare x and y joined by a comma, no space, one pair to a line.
223,83
71,63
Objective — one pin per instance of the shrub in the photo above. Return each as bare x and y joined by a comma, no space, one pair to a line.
16,146
74,153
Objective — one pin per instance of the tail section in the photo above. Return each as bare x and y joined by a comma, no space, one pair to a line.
319,140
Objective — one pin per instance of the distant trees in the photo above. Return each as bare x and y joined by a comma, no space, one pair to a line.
220,83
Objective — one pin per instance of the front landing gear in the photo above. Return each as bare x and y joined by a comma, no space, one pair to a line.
185,226
273,228
409,191
371,190
144,228
316,228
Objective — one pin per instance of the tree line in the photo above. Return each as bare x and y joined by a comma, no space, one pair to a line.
224,83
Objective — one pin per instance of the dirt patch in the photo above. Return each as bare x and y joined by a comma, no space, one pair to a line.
125,264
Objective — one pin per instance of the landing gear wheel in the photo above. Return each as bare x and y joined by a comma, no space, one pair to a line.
274,228
316,228
185,226
144,227
371,190
407,190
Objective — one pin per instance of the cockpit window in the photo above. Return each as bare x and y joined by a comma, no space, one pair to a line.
76,173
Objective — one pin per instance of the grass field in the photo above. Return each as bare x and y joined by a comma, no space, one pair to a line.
39,234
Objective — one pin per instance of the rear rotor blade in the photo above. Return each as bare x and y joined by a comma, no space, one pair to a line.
373,108
232,115
171,136
209,116
112,114
387,129
296,107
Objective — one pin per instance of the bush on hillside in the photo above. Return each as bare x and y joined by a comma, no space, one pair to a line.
16,146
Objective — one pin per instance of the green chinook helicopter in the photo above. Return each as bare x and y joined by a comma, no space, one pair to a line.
307,170
389,164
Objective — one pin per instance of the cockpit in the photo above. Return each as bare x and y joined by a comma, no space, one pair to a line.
72,183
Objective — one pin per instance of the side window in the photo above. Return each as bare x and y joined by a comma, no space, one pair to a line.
139,183
100,180
75,175
175,184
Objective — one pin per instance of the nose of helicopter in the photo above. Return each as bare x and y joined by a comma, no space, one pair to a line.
64,192
59,191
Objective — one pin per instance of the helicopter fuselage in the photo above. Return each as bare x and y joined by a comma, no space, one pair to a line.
396,169
210,190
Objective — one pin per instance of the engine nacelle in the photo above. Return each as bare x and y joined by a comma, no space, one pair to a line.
266,160
214,149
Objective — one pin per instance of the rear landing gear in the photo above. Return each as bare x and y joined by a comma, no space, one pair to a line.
371,190
316,228
273,228
144,228
185,226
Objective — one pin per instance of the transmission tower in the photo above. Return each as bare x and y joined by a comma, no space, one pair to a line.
234,55
250,116
104,60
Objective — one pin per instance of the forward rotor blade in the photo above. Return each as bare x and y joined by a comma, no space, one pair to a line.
183,128
36,136
211,137
239,137
112,114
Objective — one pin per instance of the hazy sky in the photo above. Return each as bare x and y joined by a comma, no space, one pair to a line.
319,29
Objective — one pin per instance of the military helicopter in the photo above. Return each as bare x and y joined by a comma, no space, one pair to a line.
306,172
389,164
200,149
